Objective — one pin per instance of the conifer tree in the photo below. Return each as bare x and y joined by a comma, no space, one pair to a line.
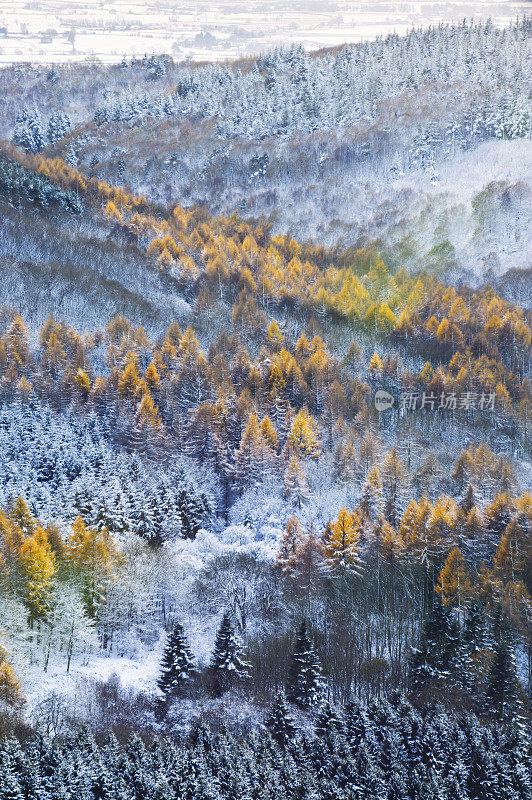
10,787
394,481
372,500
177,663
341,543
326,721
468,502
454,584
463,470
227,662
280,722
435,660
502,683
290,547
475,631
11,695
305,680
96,556
189,514
20,513
472,536
303,436
295,483
496,517
38,566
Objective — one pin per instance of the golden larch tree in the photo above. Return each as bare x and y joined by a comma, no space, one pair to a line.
341,543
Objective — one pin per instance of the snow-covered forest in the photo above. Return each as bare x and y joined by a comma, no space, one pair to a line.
425,135
265,496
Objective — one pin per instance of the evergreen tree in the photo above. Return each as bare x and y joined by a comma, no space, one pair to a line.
468,501
10,787
326,721
502,683
189,514
436,659
29,131
177,663
280,723
372,500
305,680
58,127
474,633
226,662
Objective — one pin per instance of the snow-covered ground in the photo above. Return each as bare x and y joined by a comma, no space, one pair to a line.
478,201
66,30
134,663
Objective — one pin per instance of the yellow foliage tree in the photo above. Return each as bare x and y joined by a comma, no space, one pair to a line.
95,557
375,364
38,567
303,436
341,543
147,416
83,383
515,545
129,380
274,337
22,516
268,433
11,695
454,584
152,376
17,346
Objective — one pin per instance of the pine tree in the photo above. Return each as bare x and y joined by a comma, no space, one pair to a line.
305,680
226,662
474,643
468,502
435,661
10,787
474,635
177,663
502,683
280,723
472,536
326,721
463,470
189,514
29,132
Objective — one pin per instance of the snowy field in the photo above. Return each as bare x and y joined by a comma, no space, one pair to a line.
71,30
